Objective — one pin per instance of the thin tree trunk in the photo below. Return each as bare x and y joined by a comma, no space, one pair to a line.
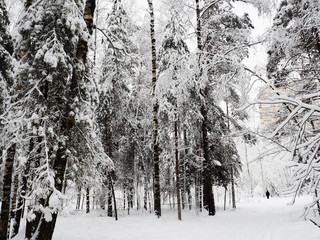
16,205
78,206
187,169
109,197
6,193
177,169
145,187
88,200
262,176
196,191
208,199
124,198
157,196
248,169
225,198
114,197
233,193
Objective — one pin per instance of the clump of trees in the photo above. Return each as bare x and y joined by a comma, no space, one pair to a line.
90,103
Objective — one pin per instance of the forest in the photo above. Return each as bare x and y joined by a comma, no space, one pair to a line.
121,108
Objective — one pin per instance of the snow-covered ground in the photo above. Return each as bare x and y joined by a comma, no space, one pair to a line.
258,219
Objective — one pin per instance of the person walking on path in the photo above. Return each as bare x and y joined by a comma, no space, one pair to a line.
267,194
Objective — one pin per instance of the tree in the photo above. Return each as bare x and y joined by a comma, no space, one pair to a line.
156,160
9,147
222,39
293,70
114,112
57,99
172,85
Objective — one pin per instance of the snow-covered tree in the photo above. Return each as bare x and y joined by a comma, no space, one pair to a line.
222,38
293,71
56,97
115,111
172,87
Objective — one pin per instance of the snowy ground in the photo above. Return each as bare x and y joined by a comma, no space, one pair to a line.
258,219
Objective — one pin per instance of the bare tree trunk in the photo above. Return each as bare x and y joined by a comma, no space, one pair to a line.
156,181
177,168
16,204
208,199
145,188
248,169
225,198
196,191
109,197
88,200
262,176
6,192
187,170
114,197
233,193
78,206
124,198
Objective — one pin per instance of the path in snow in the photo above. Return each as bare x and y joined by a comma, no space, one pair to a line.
258,219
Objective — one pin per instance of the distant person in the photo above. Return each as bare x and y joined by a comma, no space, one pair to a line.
267,194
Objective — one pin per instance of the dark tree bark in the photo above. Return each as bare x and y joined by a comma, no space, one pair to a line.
109,197
145,189
32,225
177,168
6,192
88,200
208,200
156,181
187,170
113,196
45,229
233,193
17,204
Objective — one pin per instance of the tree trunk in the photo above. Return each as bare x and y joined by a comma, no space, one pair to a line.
196,191
248,169
114,198
177,169
88,200
145,188
109,197
78,206
233,193
156,181
187,170
262,176
17,204
225,198
45,229
6,192
208,199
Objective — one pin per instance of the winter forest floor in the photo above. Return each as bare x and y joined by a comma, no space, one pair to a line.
255,219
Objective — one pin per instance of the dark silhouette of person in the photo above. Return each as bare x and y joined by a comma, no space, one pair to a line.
267,194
